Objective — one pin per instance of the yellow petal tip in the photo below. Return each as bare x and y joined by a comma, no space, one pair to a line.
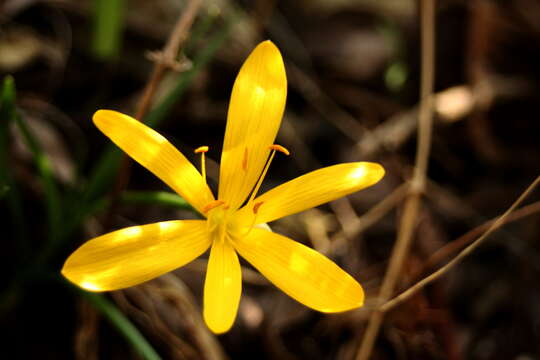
218,324
266,56
101,115
353,300
367,173
218,329
83,283
268,44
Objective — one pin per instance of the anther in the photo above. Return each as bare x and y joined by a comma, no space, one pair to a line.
280,149
257,206
201,149
212,205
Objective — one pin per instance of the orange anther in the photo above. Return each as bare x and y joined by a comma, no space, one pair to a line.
245,159
212,205
280,149
201,149
257,206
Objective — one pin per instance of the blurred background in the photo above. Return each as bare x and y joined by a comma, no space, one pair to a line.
353,68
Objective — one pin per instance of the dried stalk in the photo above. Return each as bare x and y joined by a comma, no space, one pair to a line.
162,62
467,238
443,270
412,204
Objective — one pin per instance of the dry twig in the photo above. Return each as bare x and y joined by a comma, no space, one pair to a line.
465,239
341,119
412,204
171,288
437,274
166,60
374,214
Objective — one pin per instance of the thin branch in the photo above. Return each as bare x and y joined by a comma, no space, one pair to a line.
465,239
368,219
341,119
166,60
469,249
175,290
450,105
412,204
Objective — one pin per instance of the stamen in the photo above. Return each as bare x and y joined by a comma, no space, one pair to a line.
212,205
257,206
274,148
245,159
202,150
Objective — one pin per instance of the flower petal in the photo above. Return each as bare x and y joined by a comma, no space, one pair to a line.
222,287
136,254
255,111
301,272
313,189
154,152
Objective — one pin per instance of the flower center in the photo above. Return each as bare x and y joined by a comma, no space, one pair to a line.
222,224
217,222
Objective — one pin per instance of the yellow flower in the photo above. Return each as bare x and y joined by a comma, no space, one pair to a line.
136,254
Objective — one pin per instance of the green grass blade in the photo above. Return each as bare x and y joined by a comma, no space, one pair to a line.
7,99
200,29
103,173
145,197
122,324
108,28
7,183
46,176
155,198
